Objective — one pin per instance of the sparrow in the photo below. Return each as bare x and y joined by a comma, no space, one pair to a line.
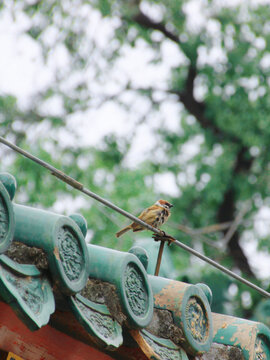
156,215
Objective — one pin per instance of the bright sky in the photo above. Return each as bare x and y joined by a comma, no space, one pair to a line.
23,74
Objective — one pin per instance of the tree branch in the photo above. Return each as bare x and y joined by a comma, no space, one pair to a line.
227,209
148,23
196,108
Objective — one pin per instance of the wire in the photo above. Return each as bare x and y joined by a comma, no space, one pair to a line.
222,268
77,185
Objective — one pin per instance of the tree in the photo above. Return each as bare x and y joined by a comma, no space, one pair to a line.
217,79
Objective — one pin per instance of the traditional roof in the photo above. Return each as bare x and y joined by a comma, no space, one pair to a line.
72,299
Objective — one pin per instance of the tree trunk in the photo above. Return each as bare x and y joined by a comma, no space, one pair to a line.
227,211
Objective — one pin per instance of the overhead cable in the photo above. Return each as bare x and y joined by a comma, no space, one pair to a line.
77,185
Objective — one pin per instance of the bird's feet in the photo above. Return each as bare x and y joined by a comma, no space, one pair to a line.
163,237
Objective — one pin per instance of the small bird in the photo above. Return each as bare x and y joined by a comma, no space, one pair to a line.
156,215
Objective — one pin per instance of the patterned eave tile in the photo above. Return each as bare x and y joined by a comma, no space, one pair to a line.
105,299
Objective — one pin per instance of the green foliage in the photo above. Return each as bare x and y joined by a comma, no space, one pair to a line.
223,113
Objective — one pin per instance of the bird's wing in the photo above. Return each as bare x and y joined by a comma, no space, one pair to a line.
149,215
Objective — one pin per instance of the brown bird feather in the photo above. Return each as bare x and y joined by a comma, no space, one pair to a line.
156,215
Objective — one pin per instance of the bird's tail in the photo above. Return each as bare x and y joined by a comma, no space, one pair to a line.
124,230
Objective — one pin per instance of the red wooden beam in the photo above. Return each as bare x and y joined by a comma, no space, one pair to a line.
44,344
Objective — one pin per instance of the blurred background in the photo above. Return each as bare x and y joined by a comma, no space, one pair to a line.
141,100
